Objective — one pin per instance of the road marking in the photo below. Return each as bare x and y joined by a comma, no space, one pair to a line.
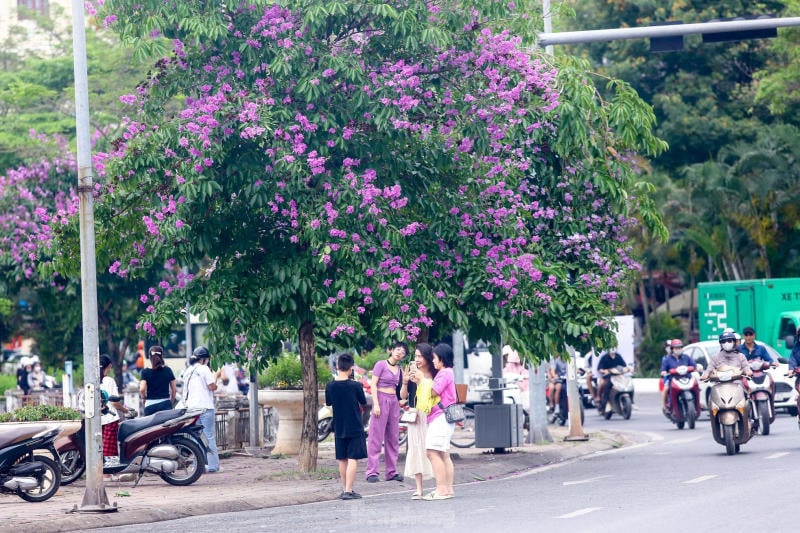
777,455
580,512
701,479
685,440
582,481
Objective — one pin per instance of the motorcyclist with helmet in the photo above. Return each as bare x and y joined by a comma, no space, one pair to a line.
606,363
674,360
728,355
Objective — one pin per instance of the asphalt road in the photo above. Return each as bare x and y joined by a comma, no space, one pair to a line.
679,481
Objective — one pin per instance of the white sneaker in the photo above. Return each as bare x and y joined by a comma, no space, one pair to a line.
111,460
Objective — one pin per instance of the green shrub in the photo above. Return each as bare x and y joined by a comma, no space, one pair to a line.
34,413
368,360
286,372
662,327
7,381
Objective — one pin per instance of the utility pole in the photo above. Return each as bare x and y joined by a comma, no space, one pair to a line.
94,497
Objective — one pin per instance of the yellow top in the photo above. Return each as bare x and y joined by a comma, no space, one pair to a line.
426,398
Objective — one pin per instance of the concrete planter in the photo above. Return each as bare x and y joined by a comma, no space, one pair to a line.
289,405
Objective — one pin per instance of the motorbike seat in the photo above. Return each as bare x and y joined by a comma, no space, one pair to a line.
130,427
13,434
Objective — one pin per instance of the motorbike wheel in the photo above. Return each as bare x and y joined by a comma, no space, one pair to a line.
691,417
464,434
72,466
730,442
682,410
324,428
191,463
607,413
625,407
48,482
763,415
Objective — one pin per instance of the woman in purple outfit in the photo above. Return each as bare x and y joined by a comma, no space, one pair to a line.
384,426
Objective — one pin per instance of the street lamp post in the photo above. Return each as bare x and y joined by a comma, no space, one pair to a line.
94,497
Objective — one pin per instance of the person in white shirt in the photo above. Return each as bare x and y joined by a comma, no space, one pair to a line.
199,385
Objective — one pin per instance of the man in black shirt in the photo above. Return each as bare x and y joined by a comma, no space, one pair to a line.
347,398
607,362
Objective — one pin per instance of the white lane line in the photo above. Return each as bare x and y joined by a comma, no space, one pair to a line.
580,512
777,455
685,440
700,479
582,481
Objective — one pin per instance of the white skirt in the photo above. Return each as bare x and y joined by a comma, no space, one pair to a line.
417,461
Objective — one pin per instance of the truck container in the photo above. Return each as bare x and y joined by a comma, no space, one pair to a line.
770,306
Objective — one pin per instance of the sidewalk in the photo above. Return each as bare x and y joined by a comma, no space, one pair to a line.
252,483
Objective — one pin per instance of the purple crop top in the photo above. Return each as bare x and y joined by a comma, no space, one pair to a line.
386,380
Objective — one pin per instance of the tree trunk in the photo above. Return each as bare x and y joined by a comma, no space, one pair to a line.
538,432
307,458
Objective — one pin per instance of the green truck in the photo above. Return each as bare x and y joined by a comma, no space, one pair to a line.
770,306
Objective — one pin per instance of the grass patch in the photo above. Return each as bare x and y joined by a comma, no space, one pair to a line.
296,475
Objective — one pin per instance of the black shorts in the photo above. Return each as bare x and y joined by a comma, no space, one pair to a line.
351,447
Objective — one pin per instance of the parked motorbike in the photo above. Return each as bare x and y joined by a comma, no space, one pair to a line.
683,397
620,397
761,387
730,410
168,443
34,478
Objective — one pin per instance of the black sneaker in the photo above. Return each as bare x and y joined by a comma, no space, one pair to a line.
396,477
341,496
372,479
354,495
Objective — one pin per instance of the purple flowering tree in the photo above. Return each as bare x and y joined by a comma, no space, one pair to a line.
371,168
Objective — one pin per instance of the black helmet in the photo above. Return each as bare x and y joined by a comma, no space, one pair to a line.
201,352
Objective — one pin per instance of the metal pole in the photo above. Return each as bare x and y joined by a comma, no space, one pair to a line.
592,36
94,497
548,24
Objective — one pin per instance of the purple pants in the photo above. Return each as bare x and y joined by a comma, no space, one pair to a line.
384,429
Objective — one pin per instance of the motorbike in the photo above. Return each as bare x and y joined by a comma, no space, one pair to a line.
325,418
683,397
34,478
168,443
730,410
561,415
583,390
762,393
620,397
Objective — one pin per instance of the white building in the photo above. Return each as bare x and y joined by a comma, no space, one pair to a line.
17,23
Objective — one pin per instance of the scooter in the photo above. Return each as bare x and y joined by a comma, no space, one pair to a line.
34,478
168,443
762,391
583,390
730,410
683,397
562,414
620,397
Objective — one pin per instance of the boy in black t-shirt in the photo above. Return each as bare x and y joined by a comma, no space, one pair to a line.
347,399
